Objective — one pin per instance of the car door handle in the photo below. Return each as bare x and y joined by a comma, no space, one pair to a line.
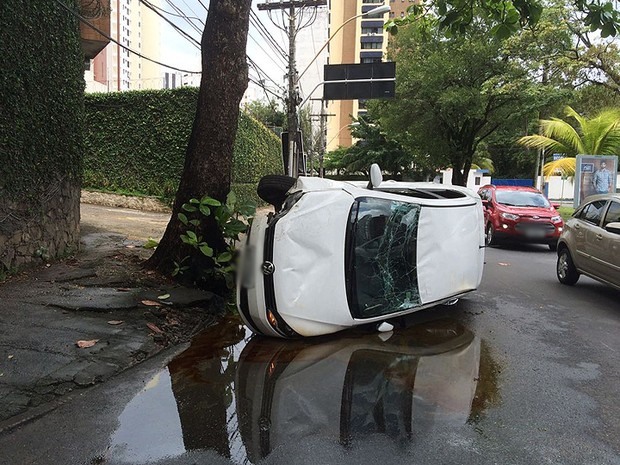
599,237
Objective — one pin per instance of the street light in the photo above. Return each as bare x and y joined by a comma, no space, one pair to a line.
375,11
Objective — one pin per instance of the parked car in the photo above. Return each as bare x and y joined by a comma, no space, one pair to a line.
523,214
340,254
590,242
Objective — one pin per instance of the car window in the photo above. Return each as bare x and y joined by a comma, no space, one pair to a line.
613,213
522,199
381,257
593,212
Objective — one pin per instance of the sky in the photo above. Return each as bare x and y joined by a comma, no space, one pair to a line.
179,52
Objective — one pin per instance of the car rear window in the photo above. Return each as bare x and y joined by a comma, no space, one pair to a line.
381,257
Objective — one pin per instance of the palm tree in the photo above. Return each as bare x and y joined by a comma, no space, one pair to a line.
597,136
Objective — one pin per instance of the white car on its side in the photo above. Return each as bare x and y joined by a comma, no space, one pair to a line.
340,254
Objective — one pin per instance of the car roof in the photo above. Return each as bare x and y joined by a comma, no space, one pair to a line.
511,188
614,196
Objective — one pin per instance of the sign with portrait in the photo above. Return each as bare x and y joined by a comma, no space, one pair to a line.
594,174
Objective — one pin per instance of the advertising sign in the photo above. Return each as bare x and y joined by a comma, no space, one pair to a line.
594,174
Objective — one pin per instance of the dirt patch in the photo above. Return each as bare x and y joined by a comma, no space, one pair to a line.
147,204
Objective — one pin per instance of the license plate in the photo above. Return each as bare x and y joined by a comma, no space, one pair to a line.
534,233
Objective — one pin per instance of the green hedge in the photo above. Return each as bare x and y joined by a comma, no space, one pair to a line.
41,99
136,141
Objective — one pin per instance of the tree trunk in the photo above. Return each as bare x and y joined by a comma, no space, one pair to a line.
208,159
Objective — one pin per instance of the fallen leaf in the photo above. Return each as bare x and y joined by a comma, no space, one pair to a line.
1,375
130,246
11,356
115,322
503,264
154,328
151,303
163,297
86,344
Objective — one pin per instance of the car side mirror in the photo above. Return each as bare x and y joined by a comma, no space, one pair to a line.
376,178
556,205
613,227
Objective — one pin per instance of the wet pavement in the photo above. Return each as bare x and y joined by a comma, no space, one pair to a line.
523,371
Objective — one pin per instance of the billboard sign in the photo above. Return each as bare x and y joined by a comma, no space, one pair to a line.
360,81
594,174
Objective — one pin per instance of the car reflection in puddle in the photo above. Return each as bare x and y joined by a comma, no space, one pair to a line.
243,398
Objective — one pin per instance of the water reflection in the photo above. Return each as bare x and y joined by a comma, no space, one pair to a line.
246,397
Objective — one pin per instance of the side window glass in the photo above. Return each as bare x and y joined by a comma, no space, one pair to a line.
613,213
593,212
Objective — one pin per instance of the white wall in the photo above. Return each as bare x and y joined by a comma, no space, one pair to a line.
475,180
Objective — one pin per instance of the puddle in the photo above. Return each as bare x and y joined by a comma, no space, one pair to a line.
242,398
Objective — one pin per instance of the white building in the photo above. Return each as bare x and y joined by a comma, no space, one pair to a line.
134,26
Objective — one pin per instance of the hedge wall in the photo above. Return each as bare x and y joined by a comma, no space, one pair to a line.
41,131
41,97
136,141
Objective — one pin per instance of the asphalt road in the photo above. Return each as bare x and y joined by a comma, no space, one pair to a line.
553,397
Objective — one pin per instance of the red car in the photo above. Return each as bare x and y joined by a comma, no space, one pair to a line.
524,214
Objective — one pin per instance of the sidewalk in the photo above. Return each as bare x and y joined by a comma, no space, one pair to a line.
103,297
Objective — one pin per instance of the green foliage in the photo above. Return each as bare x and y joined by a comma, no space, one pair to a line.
506,17
136,141
41,99
454,94
599,135
270,114
232,218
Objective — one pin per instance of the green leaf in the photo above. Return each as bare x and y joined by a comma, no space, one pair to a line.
224,257
189,208
182,218
192,236
206,250
194,201
206,211
195,222
150,244
206,200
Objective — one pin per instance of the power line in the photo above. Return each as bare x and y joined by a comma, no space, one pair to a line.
174,26
96,29
185,17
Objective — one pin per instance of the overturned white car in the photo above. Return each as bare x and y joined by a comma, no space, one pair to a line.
340,254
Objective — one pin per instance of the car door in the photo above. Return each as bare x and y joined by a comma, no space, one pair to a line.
586,228
604,247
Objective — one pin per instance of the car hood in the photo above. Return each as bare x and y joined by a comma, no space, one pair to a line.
302,261
530,212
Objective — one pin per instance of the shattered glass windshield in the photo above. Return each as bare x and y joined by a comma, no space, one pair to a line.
381,257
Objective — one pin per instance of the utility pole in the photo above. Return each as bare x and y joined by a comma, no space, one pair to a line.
293,100
323,142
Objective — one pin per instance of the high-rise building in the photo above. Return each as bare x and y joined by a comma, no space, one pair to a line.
360,41
115,68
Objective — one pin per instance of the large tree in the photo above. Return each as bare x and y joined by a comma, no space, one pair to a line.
453,93
208,159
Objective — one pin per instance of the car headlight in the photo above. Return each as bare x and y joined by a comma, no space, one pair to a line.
510,216
556,219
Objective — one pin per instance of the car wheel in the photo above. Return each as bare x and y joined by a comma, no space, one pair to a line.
567,273
490,235
273,188
553,246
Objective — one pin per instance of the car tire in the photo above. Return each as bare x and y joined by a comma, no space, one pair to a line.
273,188
553,246
565,268
489,235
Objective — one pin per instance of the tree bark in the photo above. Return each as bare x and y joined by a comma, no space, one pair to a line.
208,159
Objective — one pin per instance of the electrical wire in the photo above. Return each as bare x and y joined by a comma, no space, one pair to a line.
124,47
186,18
149,5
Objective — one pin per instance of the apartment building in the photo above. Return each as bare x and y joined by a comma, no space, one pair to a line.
115,68
360,41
